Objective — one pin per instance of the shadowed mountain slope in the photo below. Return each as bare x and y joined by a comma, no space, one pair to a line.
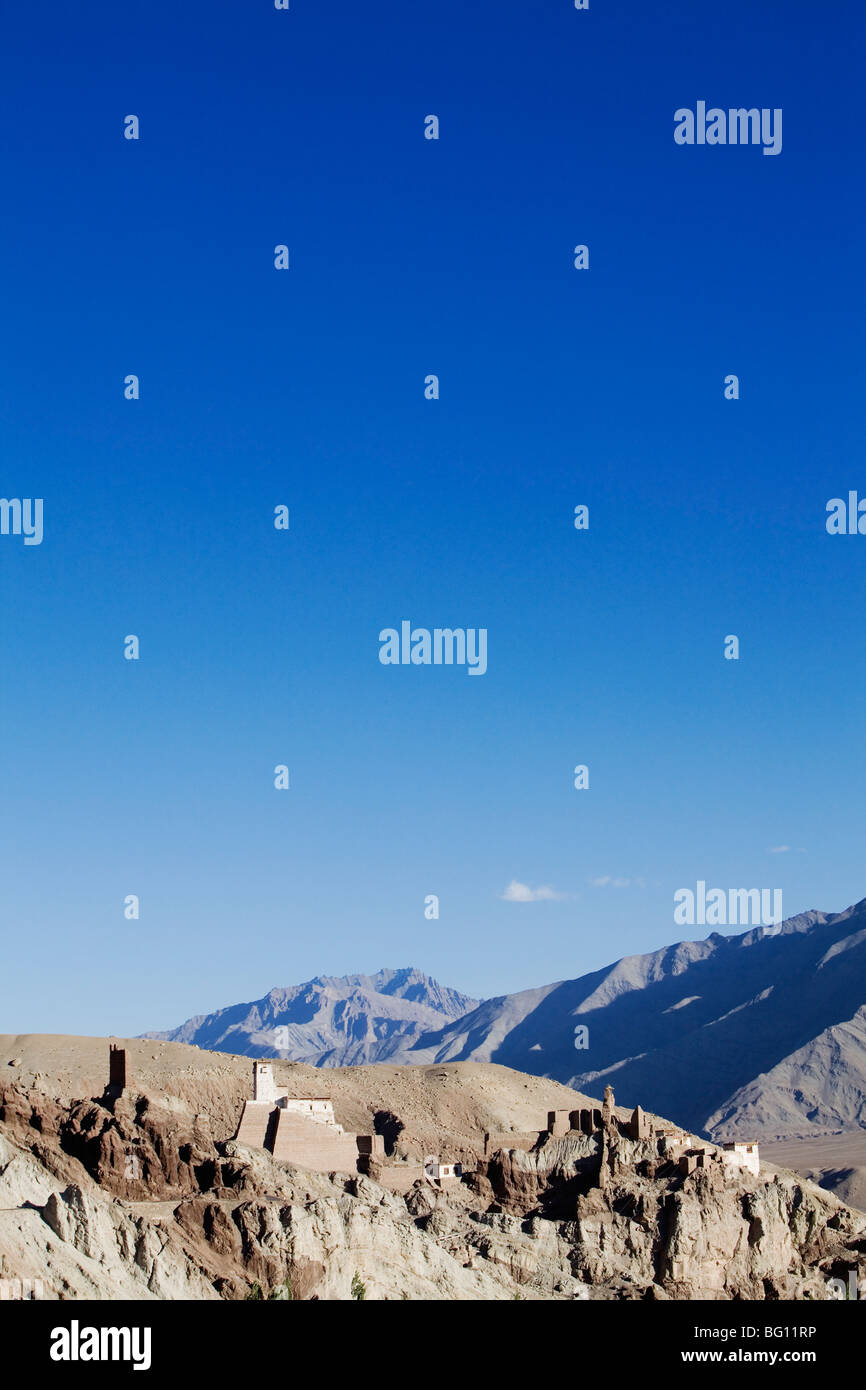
758,1031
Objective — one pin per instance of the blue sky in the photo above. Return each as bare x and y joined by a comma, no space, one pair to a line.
306,388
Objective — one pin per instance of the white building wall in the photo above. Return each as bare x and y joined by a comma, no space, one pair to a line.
264,1086
320,1110
740,1158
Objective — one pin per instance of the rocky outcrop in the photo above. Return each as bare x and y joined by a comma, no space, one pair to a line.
133,1147
578,1217
637,1221
548,1177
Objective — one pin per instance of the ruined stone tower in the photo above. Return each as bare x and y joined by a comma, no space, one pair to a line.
607,1106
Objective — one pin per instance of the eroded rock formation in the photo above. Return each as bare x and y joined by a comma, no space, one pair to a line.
127,1197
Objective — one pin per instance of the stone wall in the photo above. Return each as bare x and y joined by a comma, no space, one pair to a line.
399,1177
320,1110
253,1126
372,1144
510,1139
312,1145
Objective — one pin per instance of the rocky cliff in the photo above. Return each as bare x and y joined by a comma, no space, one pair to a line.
131,1197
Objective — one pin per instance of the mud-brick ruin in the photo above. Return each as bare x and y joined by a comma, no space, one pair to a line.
670,1141
665,1141
304,1132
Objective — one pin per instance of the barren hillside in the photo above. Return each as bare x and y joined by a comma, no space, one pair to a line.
142,1194
438,1105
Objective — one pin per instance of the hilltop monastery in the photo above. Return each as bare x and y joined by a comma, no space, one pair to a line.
304,1132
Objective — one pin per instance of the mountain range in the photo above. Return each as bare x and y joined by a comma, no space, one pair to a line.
761,1033
330,1022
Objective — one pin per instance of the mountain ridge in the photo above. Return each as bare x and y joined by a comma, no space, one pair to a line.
761,1031
686,1028
344,1020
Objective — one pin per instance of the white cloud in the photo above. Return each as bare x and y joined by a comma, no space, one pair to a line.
522,893
607,880
780,849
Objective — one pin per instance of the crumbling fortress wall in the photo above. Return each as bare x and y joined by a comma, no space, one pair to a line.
301,1131
304,1132
582,1154
311,1145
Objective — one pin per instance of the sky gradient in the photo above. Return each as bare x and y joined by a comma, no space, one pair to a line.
306,388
